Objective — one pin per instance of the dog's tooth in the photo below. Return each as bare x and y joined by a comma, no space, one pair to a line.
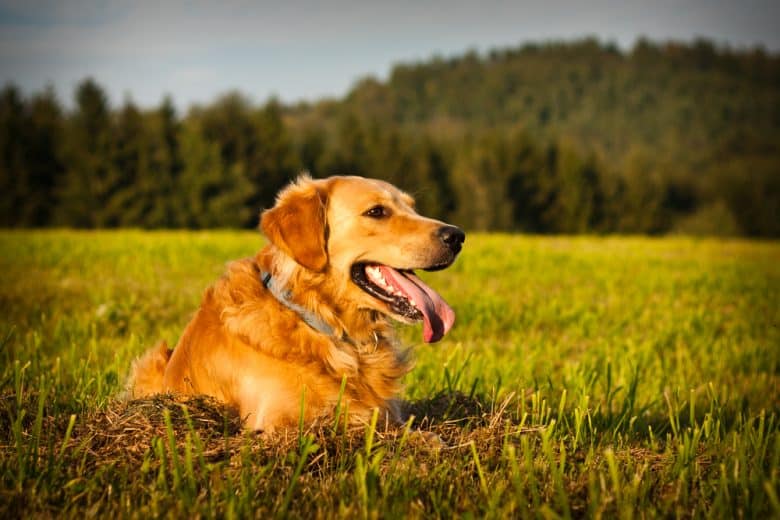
374,274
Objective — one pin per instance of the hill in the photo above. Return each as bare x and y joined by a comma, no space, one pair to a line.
552,138
687,132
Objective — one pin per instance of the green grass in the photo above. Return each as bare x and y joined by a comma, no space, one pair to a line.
613,377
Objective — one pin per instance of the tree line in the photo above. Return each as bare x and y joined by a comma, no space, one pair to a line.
557,138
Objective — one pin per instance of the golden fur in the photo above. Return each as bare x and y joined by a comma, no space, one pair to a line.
246,348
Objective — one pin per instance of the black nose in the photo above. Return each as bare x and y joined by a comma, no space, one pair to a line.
452,236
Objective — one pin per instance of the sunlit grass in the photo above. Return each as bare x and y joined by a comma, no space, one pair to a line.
584,376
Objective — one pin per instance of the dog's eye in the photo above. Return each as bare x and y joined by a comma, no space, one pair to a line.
377,211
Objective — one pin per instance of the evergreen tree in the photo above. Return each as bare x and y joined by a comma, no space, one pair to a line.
254,145
576,202
311,149
165,166
13,170
430,180
640,198
750,187
348,153
271,162
44,157
528,183
481,175
30,158
91,178
210,192
131,201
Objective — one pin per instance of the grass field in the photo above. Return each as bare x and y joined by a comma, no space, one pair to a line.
617,377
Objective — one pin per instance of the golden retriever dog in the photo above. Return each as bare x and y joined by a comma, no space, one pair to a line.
308,319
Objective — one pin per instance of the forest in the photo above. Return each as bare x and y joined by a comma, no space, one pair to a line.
559,137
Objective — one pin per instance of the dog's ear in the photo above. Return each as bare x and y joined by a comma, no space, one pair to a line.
297,225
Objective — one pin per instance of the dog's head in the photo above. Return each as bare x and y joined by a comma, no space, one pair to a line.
365,234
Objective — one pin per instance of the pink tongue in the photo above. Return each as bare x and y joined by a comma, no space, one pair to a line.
438,317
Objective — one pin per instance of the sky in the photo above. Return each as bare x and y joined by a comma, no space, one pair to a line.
293,50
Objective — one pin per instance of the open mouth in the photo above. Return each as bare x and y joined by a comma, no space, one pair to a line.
406,296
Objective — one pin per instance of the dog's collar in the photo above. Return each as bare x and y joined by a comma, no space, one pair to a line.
283,296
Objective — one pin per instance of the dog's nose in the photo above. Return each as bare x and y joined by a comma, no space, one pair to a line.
452,236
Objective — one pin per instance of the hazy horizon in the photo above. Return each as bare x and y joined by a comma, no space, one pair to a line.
195,51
